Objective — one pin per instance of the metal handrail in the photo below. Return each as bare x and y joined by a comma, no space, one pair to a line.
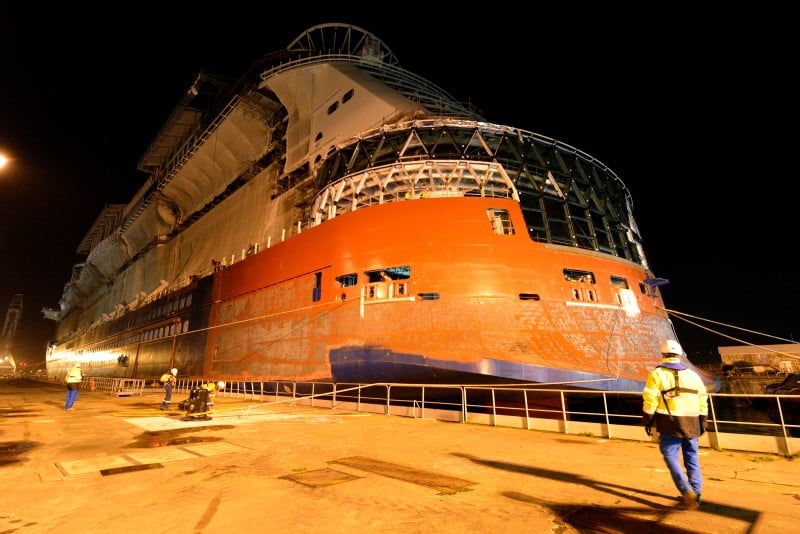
504,404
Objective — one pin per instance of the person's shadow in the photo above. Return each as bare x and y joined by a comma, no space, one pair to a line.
642,519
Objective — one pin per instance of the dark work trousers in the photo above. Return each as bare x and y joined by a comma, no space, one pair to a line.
167,396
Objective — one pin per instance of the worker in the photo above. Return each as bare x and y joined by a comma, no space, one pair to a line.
201,400
73,379
676,402
212,389
168,380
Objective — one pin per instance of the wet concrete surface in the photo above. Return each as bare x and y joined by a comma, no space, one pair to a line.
118,464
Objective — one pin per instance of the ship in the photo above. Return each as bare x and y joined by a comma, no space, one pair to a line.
331,216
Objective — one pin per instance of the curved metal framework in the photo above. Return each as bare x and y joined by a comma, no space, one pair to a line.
346,39
346,43
567,197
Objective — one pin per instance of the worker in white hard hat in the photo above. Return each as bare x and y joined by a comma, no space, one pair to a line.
201,401
675,400
168,380
212,388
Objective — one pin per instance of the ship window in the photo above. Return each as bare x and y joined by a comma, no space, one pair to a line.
348,280
400,272
348,95
584,235
317,293
528,296
577,275
318,137
557,221
618,281
333,107
501,221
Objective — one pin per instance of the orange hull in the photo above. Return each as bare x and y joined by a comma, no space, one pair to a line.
267,324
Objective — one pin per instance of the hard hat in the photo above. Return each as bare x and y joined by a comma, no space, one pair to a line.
671,346
174,372
221,384
78,364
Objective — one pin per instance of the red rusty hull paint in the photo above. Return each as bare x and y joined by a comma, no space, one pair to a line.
266,325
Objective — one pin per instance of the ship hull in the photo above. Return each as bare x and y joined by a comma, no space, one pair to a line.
477,328
477,307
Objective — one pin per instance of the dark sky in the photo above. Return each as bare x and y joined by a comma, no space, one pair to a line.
691,109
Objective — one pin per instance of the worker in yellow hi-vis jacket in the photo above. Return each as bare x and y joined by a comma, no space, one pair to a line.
168,380
676,401
212,388
73,379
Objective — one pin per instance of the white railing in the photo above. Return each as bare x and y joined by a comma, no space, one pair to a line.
734,420
608,414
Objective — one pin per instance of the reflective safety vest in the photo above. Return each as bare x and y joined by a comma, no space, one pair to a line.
74,376
679,393
212,390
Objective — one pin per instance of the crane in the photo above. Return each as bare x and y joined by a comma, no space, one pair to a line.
13,316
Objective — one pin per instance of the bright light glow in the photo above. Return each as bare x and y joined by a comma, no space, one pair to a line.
3,160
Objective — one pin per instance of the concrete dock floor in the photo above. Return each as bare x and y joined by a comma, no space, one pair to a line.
118,464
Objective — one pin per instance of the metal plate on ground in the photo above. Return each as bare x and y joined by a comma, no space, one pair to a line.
320,477
160,455
442,483
129,469
214,449
92,465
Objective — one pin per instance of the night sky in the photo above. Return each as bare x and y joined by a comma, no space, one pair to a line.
691,109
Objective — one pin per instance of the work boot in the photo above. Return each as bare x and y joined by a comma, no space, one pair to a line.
690,500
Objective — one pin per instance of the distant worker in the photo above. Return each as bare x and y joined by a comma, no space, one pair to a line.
73,379
212,389
676,401
168,380
201,400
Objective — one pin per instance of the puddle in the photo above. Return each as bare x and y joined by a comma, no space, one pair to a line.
8,413
10,451
168,438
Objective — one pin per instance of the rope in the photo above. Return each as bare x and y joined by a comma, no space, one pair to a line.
684,317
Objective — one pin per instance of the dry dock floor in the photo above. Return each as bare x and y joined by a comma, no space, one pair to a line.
118,464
